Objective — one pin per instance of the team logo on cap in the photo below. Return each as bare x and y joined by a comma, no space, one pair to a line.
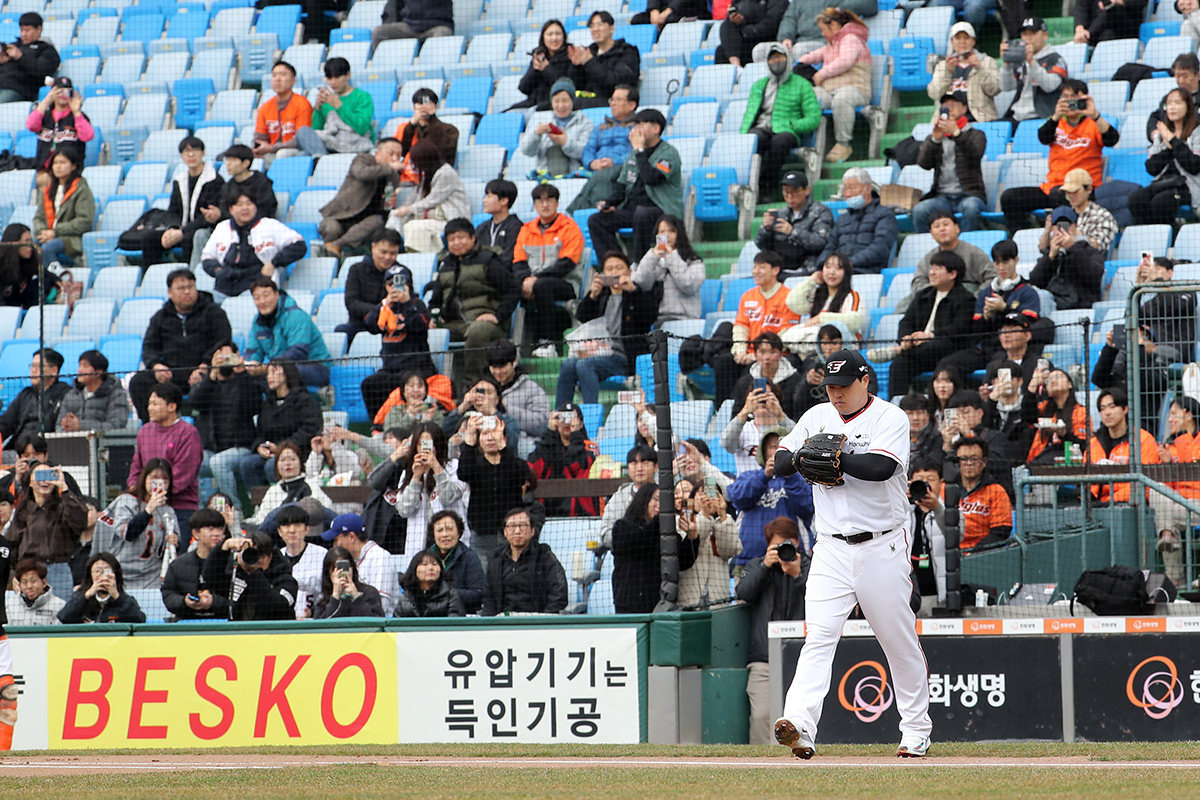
835,366
1028,23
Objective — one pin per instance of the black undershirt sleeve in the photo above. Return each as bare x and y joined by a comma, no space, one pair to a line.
868,466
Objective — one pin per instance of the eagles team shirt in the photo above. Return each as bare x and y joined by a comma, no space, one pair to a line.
858,505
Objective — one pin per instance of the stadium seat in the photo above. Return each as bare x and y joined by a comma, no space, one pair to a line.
306,204
909,55
737,150
188,21
119,216
231,22
98,30
99,248
257,56
103,181
500,129
470,93
715,80
913,249
1136,238
311,275
481,162
217,136
331,170
92,317
81,71
163,145
143,27
1025,140
933,22
1110,97
681,37
146,111
661,84
216,65
640,36
711,194
291,174
1161,51
144,177
441,50
1108,56
32,326
191,101
117,283
14,361
283,21
1075,54
1147,96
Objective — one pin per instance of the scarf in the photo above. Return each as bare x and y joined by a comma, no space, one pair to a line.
53,205
243,252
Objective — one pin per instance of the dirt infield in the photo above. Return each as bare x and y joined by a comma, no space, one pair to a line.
60,765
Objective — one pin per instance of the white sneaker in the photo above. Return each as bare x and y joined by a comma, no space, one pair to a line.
913,748
798,740
545,351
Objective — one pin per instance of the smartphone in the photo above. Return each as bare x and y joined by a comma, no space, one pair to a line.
480,390
426,445
487,424
945,112
218,504
566,417
681,451
1004,375
158,485
193,598
1120,340
710,486
629,398
106,571
1043,364
661,240
554,129
398,282
341,565
760,384
1147,255
609,280
951,416
45,475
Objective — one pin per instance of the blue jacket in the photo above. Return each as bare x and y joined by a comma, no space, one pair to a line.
761,500
609,139
290,334
866,236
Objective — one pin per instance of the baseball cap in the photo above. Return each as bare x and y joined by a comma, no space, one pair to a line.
1076,179
401,270
1015,319
1033,24
962,27
61,82
959,97
346,523
844,367
795,179
1063,212
651,115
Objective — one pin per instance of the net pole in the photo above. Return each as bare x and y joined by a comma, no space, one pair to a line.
665,442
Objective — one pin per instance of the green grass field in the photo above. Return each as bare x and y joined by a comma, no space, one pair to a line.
1095,779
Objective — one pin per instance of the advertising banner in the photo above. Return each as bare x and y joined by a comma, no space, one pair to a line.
1137,688
579,685
980,688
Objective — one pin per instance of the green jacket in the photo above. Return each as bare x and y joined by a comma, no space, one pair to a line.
797,110
74,219
661,172
357,111
477,283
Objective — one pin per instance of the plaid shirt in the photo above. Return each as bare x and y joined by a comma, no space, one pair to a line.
1098,224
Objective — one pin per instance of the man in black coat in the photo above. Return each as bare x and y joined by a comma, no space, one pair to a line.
45,390
255,589
185,592
605,63
178,338
365,288
524,576
749,22
26,63
225,399
238,159
937,323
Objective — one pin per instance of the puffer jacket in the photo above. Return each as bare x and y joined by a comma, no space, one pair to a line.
463,569
106,410
578,129
609,139
866,235
441,601
49,533
183,341
846,61
367,604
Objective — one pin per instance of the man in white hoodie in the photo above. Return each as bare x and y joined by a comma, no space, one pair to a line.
36,604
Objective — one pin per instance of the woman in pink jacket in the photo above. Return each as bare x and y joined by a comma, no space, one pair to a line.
843,82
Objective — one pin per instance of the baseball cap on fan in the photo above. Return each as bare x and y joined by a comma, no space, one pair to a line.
844,367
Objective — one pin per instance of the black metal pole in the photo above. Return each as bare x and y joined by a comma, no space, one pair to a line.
668,538
952,535
41,396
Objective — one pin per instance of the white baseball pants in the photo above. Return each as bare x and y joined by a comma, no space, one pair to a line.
875,575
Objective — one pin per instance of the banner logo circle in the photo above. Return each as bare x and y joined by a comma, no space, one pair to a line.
1161,691
872,695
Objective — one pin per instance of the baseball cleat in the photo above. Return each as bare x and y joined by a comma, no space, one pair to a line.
799,741
913,749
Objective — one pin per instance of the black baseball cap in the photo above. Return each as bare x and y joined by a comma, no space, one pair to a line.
795,179
1033,24
959,97
1015,318
844,367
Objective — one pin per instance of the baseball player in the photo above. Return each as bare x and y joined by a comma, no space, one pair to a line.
854,449
8,688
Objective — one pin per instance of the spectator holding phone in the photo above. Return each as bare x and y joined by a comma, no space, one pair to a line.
57,119
771,365
565,452
225,400
36,604
496,477
548,62
1072,269
798,231
289,412
343,594
1061,420
460,565
526,400
402,319
366,282
140,528
710,532
483,398
416,405
373,563
557,137
1174,162
762,410
184,592
342,115
1186,67
101,596
637,559
605,64
676,266
27,62
428,485
427,591
169,437
255,584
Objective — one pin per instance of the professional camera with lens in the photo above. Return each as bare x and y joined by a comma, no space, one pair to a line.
917,491
786,550
1015,53
251,555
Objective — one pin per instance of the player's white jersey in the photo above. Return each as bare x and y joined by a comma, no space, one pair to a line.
859,505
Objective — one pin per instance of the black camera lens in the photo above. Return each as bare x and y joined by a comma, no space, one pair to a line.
917,491
786,551
251,555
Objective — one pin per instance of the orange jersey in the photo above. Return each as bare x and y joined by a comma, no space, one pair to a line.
1074,148
1120,493
274,125
541,248
1045,438
985,507
762,314
1185,449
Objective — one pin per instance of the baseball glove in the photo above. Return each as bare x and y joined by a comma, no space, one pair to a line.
820,459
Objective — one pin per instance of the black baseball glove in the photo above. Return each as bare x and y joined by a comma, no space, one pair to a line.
820,459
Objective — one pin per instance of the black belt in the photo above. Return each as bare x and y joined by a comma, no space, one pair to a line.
859,538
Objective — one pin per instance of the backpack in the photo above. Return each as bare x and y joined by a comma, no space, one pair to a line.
1113,591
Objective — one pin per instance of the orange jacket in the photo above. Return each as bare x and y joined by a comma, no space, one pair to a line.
982,509
1096,451
540,252
1185,449
1044,438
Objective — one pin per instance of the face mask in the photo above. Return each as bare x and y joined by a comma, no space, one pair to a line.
777,68
856,202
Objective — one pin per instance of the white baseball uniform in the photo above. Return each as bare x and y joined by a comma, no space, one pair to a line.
874,574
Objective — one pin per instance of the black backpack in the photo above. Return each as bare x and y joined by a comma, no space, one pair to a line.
1113,591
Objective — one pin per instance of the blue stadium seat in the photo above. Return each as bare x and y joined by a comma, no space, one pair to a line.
681,37
1025,140
470,93
143,177
92,317
187,21
933,22
481,162
909,54
231,21
394,53
216,65
191,101
1108,56
734,291
146,111
338,35
640,36
282,21
143,27
711,186
125,143
258,53
32,325
118,216
1136,238
123,351
661,84
14,363
98,30
291,174
502,129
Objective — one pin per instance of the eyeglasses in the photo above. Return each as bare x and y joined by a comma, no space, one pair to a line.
516,526
970,460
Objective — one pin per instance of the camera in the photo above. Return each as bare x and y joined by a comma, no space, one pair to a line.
250,555
1076,105
786,550
917,491
1015,53
539,51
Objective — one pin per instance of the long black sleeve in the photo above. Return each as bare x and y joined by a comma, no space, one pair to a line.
868,466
